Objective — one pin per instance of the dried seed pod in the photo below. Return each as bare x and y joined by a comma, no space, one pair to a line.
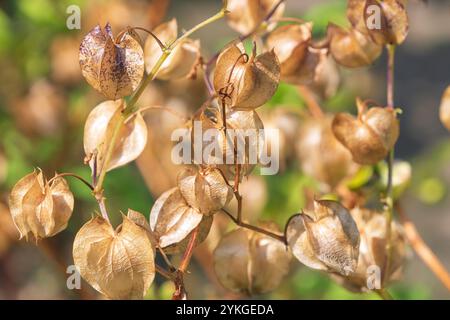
205,190
248,82
203,231
114,67
246,15
244,130
290,43
326,238
250,263
321,155
308,71
172,219
352,48
369,137
117,263
182,59
386,22
40,207
444,111
373,254
99,130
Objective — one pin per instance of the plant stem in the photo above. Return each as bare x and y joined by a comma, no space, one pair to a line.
389,206
384,294
69,174
254,228
421,248
188,253
166,274
311,103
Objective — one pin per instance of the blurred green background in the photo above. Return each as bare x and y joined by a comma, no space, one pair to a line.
44,102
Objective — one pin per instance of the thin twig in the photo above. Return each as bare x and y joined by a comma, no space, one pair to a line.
311,103
421,248
69,174
188,253
390,162
384,294
254,228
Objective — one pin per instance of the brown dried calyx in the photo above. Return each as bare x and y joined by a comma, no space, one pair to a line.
246,15
182,58
100,128
39,207
114,67
117,263
246,82
370,136
290,43
373,253
444,110
385,22
228,146
325,238
205,189
321,155
351,48
251,263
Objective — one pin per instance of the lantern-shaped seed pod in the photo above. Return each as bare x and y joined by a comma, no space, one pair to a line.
250,263
172,221
352,48
372,263
321,155
325,238
386,22
245,15
39,207
242,145
290,43
206,190
370,136
246,82
114,67
182,59
444,110
118,263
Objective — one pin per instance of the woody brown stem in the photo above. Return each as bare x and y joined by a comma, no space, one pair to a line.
311,103
420,247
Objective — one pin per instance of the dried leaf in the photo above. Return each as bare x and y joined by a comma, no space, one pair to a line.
329,239
182,58
352,48
249,262
39,207
118,263
444,110
370,137
290,43
246,15
171,218
249,82
205,190
99,130
114,67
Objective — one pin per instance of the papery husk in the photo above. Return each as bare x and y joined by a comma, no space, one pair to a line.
117,263
326,239
250,263
99,131
114,67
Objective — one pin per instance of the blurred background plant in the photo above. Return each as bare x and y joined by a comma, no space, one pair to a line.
44,103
